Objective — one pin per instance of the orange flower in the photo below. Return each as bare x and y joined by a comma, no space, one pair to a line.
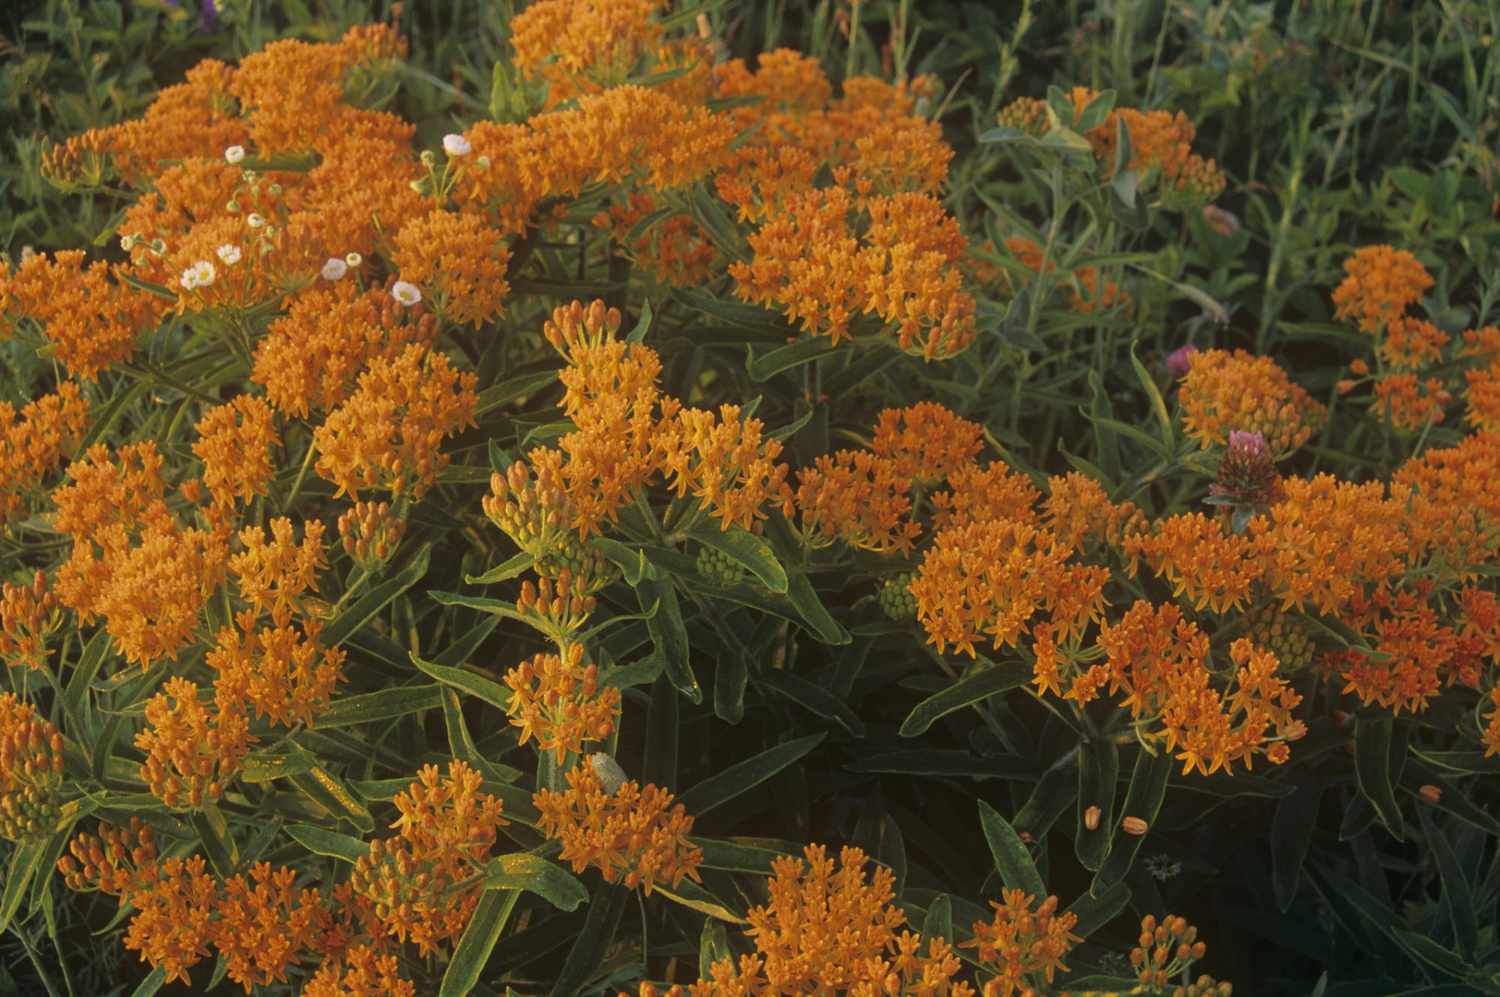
1080,512
1483,397
362,971
274,572
422,881
1416,653
192,752
857,497
1447,501
1225,391
1381,284
31,770
1409,402
234,443
980,494
557,701
261,925
724,461
1411,344
171,925
31,446
1021,943
28,616
675,250
1491,735
989,579
1211,568
91,317
633,834
281,674
387,434
311,357
1166,952
458,261
926,441
370,533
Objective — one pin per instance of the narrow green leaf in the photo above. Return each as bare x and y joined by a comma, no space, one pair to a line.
813,697
23,865
358,613
695,897
477,942
1148,787
605,909
319,841
534,874
1457,897
768,365
504,571
939,920
945,763
328,792
643,322
466,681
1291,836
1158,404
979,685
152,983
75,693
218,843
746,775
1098,770
1373,740
1012,860
747,550
741,856
387,704
1053,794
669,634
1094,912
630,560
805,600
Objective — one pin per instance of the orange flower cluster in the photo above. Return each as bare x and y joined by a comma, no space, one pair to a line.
1410,402
33,444
1381,283
978,494
312,356
1021,944
1210,568
31,769
632,834
235,442
557,700
991,578
89,315
457,260
263,923
132,562
192,751
1225,391
361,972
1159,659
370,533
1080,512
584,46
926,442
422,881
674,250
1167,950
724,461
858,497
28,616
386,435
1089,295
904,269
627,135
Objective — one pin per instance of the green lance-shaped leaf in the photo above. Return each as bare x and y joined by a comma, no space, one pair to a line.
1374,745
746,549
1012,860
746,775
1148,788
975,687
477,942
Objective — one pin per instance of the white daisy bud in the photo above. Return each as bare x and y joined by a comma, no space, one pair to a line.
405,292
234,154
456,145
255,220
353,259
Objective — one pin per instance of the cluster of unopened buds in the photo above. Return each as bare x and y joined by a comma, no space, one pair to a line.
371,533
31,767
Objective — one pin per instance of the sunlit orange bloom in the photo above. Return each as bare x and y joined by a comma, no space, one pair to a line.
235,442
262,924
583,46
1382,283
624,135
904,269
1411,402
1080,512
857,497
279,672
1087,297
192,751
31,770
1411,343
1225,391
273,572
1483,397
33,443
633,835
1449,502
196,118
171,926
311,357
457,261
926,441
1417,654
362,971
423,880
723,459
886,146
557,700
28,616
1025,938
1209,567
978,494
1327,540
292,91
989,579
90,317
387,434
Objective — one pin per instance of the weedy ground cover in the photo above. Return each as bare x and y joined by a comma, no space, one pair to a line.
623,497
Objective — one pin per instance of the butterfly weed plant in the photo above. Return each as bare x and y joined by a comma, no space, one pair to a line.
630,498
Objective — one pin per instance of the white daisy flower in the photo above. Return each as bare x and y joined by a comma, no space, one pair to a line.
234,154
354,259
200,274
334,269
255,220
229,254
456,145
406,293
